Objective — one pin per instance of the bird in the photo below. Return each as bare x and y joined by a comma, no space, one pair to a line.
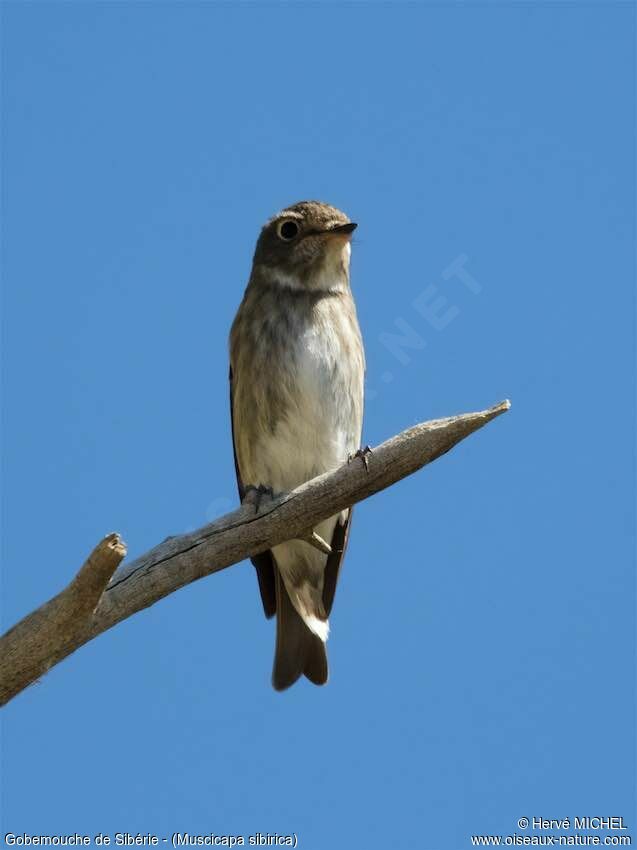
297,367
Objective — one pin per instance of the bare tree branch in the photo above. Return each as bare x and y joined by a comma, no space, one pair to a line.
90,604
59,626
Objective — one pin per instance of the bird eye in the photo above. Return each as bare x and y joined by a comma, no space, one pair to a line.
287,230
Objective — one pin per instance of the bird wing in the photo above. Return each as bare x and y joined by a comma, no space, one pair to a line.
264,562
340,538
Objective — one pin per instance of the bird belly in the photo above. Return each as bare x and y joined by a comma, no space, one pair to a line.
316,430
300,416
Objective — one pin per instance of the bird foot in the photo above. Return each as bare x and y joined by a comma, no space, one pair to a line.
254,495
363,455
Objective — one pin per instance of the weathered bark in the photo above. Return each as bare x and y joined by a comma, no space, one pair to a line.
91,603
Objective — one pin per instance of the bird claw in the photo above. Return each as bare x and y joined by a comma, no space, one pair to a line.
363,455
254,495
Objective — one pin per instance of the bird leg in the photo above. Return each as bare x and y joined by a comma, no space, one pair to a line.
254,495
362,454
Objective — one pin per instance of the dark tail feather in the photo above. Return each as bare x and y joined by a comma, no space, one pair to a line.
298,650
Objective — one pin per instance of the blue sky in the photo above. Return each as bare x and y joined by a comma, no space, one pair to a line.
482,648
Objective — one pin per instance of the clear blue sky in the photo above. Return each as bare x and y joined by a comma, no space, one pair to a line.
482,648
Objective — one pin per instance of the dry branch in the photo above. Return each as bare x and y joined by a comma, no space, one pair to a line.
90,604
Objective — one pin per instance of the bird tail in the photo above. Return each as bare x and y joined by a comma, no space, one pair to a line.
298,650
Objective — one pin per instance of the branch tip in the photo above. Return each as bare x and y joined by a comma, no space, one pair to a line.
502,407
114,542
96,572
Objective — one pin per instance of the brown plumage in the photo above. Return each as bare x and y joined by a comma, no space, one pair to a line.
296,388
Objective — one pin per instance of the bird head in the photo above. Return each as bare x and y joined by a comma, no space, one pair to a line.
306,246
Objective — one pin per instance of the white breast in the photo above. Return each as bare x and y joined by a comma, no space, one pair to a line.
319,430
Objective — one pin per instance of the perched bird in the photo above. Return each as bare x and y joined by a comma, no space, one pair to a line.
296,395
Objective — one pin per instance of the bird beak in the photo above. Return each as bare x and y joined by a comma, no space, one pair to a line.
342,229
